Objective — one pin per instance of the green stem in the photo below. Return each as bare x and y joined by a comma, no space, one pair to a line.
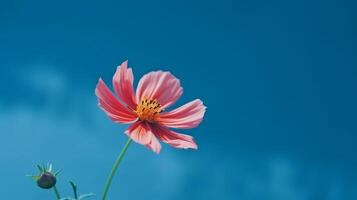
114,169
58,196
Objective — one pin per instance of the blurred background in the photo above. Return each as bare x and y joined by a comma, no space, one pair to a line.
278,79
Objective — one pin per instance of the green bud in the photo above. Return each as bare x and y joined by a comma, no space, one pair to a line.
46,180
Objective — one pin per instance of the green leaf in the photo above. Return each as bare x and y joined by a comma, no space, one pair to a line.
74,187
49,167
66,198
40,168
84,196
57,172
34,177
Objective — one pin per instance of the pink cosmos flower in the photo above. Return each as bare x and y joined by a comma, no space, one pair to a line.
144,109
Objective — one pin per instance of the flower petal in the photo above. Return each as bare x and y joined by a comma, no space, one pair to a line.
123,85
141,133
172,138
111,106
154,145
189,115
162,86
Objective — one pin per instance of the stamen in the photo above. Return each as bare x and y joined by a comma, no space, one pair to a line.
148,109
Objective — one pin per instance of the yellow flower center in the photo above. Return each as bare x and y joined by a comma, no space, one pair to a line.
148,109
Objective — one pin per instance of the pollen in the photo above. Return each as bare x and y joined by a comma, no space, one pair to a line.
148,109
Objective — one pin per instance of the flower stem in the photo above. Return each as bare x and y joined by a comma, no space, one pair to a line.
58,196
114,169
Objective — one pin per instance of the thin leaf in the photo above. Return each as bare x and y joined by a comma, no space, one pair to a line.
66,198
84,196
74,187
49,167
34,177
40,168
57,172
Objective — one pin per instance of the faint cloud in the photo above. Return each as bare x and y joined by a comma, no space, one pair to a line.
45,79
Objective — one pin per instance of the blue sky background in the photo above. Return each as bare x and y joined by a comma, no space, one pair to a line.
278,78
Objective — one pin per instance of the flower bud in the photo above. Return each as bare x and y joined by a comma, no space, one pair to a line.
46,180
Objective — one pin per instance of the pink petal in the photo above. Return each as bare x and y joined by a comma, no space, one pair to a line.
172,138
189,115
162,86
141,133
154,145
123,85
111,106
